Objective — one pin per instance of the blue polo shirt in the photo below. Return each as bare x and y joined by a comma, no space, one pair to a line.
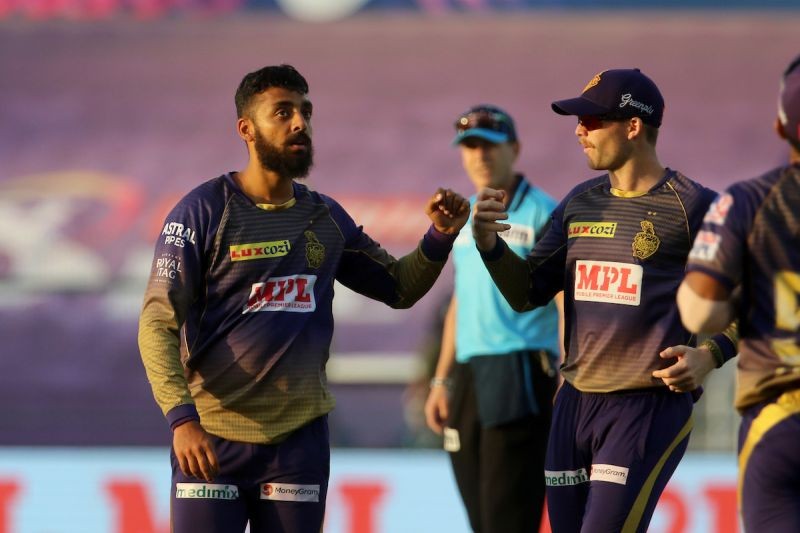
485,322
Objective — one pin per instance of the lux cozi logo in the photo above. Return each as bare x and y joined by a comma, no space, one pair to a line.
603,230
609,282
259,250
294,294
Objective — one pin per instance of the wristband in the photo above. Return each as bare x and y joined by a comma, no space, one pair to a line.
440,382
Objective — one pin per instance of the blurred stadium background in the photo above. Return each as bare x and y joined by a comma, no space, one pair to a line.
112,109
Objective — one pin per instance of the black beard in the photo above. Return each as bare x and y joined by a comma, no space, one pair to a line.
284,162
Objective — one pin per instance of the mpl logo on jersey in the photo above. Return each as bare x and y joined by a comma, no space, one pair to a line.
602,230
289,492
294,294
608,282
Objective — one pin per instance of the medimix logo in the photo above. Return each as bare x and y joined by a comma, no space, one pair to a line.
288,492
294,294
609,282
564,478
206,491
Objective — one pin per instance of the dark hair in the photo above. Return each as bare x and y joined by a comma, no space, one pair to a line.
283,76
794,65
650,134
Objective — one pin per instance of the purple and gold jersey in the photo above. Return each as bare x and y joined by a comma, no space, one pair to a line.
751,237
619,258
237,322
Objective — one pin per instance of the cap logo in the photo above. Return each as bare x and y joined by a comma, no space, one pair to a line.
594,81
627,99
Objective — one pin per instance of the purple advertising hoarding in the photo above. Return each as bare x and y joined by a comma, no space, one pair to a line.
104,125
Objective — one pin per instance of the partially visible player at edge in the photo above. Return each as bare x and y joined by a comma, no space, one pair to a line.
751,240
617,247
242,282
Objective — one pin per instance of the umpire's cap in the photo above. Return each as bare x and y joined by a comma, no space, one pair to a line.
619,93
487,122
789,101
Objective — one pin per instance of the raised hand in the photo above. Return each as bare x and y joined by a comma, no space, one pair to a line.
489,208
448,211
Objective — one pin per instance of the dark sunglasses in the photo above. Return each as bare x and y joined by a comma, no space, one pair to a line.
487,120
592,122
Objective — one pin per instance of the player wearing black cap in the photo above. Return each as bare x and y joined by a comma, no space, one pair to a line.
751,239
617,246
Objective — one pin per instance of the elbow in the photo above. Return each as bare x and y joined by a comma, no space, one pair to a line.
700,315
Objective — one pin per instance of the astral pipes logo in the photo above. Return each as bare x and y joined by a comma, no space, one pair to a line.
206,491
288,492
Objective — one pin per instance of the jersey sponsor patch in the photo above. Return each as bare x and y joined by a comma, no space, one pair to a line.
206,491
602,230
565,478
178,235
259,250
718,211
167,266
705,246
294,294
288,492
608,282
610,473
518,235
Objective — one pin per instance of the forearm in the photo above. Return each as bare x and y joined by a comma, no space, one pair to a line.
511,274
416,272
724,346
447,350
159,345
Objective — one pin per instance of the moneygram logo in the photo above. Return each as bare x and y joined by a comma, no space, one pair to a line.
289,492
206,491
610,473
294,294
602,230
565,478
608,282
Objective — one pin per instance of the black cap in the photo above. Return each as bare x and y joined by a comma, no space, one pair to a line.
619,93
789,100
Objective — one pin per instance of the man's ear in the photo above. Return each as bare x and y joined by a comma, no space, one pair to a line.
779,128
635,128
246,129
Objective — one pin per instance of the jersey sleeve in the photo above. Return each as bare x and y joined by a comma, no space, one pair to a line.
175,282
720,244
370,270
534,281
